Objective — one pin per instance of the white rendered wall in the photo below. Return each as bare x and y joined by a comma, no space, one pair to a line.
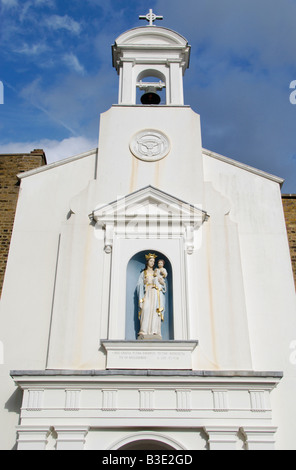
28,290
239,278
84,277
179,173
255,206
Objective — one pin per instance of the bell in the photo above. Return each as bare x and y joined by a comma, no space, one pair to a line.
150,97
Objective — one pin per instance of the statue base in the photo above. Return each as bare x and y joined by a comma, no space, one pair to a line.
149,354
149,337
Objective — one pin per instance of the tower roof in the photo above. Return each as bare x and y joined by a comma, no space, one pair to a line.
150,38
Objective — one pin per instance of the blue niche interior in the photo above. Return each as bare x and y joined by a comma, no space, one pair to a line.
134,268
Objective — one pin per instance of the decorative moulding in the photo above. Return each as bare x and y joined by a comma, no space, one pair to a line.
150,145
149,213
148,38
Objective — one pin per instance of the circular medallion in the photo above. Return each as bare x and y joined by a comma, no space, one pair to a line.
150,145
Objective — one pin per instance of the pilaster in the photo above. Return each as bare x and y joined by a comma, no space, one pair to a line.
260,438
71,437
32,437
222,437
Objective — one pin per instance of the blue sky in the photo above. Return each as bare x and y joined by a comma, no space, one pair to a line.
58,77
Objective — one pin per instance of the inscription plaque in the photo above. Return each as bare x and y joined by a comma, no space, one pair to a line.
149,355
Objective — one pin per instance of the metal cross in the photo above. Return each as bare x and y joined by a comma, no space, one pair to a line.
151,17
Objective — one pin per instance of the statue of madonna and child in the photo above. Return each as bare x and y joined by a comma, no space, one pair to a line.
151,290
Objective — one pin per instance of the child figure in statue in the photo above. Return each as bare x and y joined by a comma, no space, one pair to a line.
161,272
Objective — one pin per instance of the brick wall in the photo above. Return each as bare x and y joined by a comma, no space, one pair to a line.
10,166
289,204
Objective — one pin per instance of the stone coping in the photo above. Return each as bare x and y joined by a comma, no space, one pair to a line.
146,372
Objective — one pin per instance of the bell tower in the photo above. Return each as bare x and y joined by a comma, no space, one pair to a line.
153,52
150,137
149,189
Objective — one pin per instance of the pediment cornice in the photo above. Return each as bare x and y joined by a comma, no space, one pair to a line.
160,205
149,213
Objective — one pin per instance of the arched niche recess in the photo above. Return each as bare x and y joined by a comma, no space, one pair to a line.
134,268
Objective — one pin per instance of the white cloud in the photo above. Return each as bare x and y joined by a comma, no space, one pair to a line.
9,3
63,22
32,49
48,3
54,150
27,4
73,63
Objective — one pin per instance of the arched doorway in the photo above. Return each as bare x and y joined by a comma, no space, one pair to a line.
134,269
148,440
146,444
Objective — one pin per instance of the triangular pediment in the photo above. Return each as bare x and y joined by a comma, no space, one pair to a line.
151,204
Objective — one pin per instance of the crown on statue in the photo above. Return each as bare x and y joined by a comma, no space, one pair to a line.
150,255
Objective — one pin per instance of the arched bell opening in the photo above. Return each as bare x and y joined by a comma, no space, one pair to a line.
151,88
135,267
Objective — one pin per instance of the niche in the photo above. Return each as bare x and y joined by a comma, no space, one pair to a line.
135,266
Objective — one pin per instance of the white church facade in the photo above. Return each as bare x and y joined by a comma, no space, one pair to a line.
104,349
